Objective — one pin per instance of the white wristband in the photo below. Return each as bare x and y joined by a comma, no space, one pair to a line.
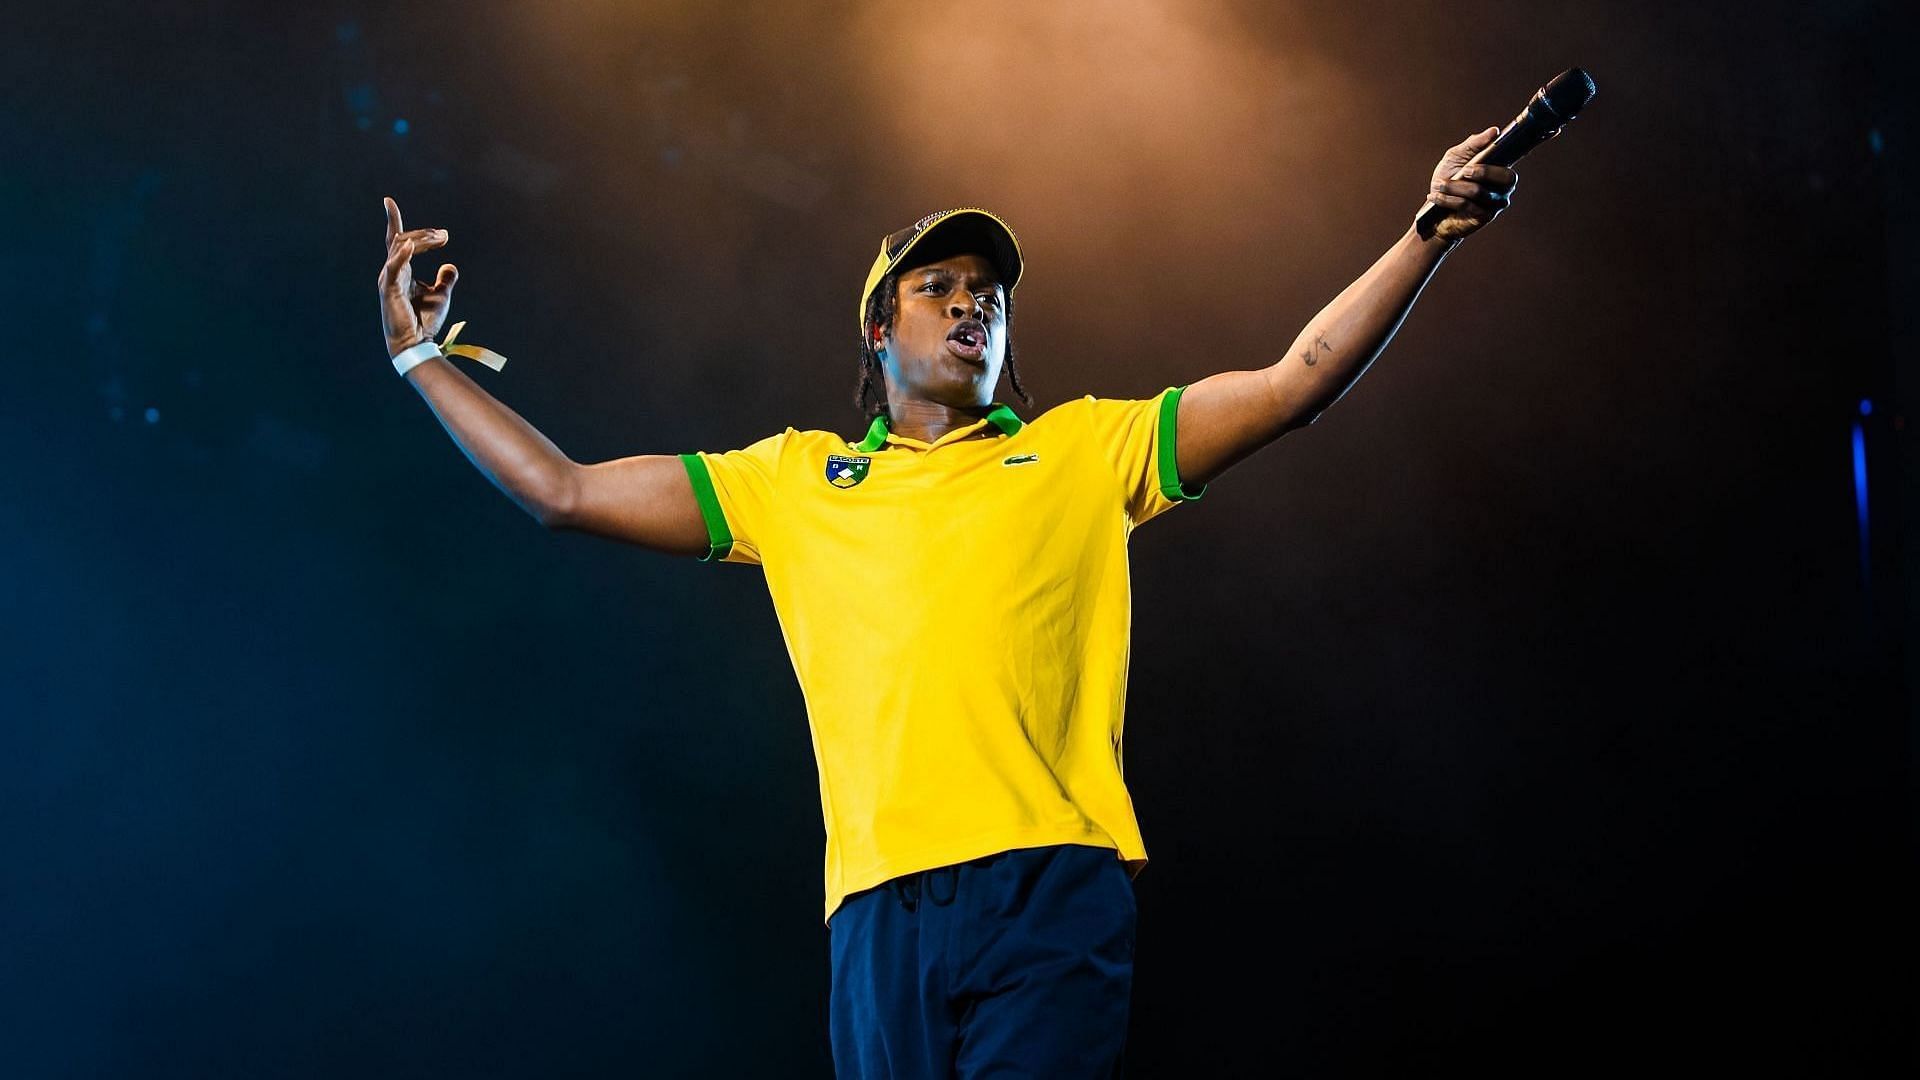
415,356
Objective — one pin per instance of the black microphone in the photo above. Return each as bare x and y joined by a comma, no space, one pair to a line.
1553,107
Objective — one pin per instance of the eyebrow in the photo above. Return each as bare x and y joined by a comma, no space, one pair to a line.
975,279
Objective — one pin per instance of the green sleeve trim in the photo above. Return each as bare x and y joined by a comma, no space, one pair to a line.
719,537
1170,484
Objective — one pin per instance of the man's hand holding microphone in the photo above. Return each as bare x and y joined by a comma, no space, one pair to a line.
1471,194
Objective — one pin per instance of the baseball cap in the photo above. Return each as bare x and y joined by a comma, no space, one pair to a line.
966,229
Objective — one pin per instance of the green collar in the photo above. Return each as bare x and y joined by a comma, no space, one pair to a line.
999,416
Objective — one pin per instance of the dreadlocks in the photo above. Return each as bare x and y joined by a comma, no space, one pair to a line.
881,308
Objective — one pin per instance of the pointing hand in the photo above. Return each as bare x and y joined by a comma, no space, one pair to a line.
409,311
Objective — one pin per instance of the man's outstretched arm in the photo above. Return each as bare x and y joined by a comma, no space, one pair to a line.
1223,418
646,500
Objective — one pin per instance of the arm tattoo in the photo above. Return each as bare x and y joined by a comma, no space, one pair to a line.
1309,356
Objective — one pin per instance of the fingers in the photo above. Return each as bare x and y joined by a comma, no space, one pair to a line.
1495,176
409,245
1490,186
1490,200
1455,202
443,283
1492,176
1480,193
1472,144
1479,212
401,252
400,256
396,265
425,239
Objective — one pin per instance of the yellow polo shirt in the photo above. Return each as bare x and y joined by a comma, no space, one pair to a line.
958,614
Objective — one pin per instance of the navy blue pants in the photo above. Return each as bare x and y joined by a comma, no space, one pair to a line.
1014,965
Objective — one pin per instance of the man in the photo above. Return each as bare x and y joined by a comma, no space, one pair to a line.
953,592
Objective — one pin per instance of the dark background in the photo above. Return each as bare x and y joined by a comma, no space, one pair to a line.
1534,712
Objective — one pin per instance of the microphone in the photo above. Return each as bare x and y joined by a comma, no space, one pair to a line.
1553,107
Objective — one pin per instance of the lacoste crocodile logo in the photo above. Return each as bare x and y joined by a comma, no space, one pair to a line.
1021,459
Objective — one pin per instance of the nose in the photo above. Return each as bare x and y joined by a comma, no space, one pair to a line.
967,305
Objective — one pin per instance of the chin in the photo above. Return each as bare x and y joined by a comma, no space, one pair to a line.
951,376
957,384
973,391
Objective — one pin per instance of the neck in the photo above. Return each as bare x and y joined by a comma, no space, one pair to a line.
926,421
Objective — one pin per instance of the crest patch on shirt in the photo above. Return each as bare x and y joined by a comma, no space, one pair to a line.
845,472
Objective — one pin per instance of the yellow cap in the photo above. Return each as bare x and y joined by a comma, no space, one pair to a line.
969,228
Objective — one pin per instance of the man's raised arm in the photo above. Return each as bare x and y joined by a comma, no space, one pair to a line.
1225,417
646,500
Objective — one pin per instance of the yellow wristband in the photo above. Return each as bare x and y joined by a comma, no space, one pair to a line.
472,352
427,350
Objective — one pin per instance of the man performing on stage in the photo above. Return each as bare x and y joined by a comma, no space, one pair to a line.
952,587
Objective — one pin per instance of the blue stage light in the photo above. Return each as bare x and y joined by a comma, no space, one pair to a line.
1860,497
400,126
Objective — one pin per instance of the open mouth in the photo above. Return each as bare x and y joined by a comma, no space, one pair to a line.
968,341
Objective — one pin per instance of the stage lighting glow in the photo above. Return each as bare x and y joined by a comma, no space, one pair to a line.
1184,116
400,126
1860,493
